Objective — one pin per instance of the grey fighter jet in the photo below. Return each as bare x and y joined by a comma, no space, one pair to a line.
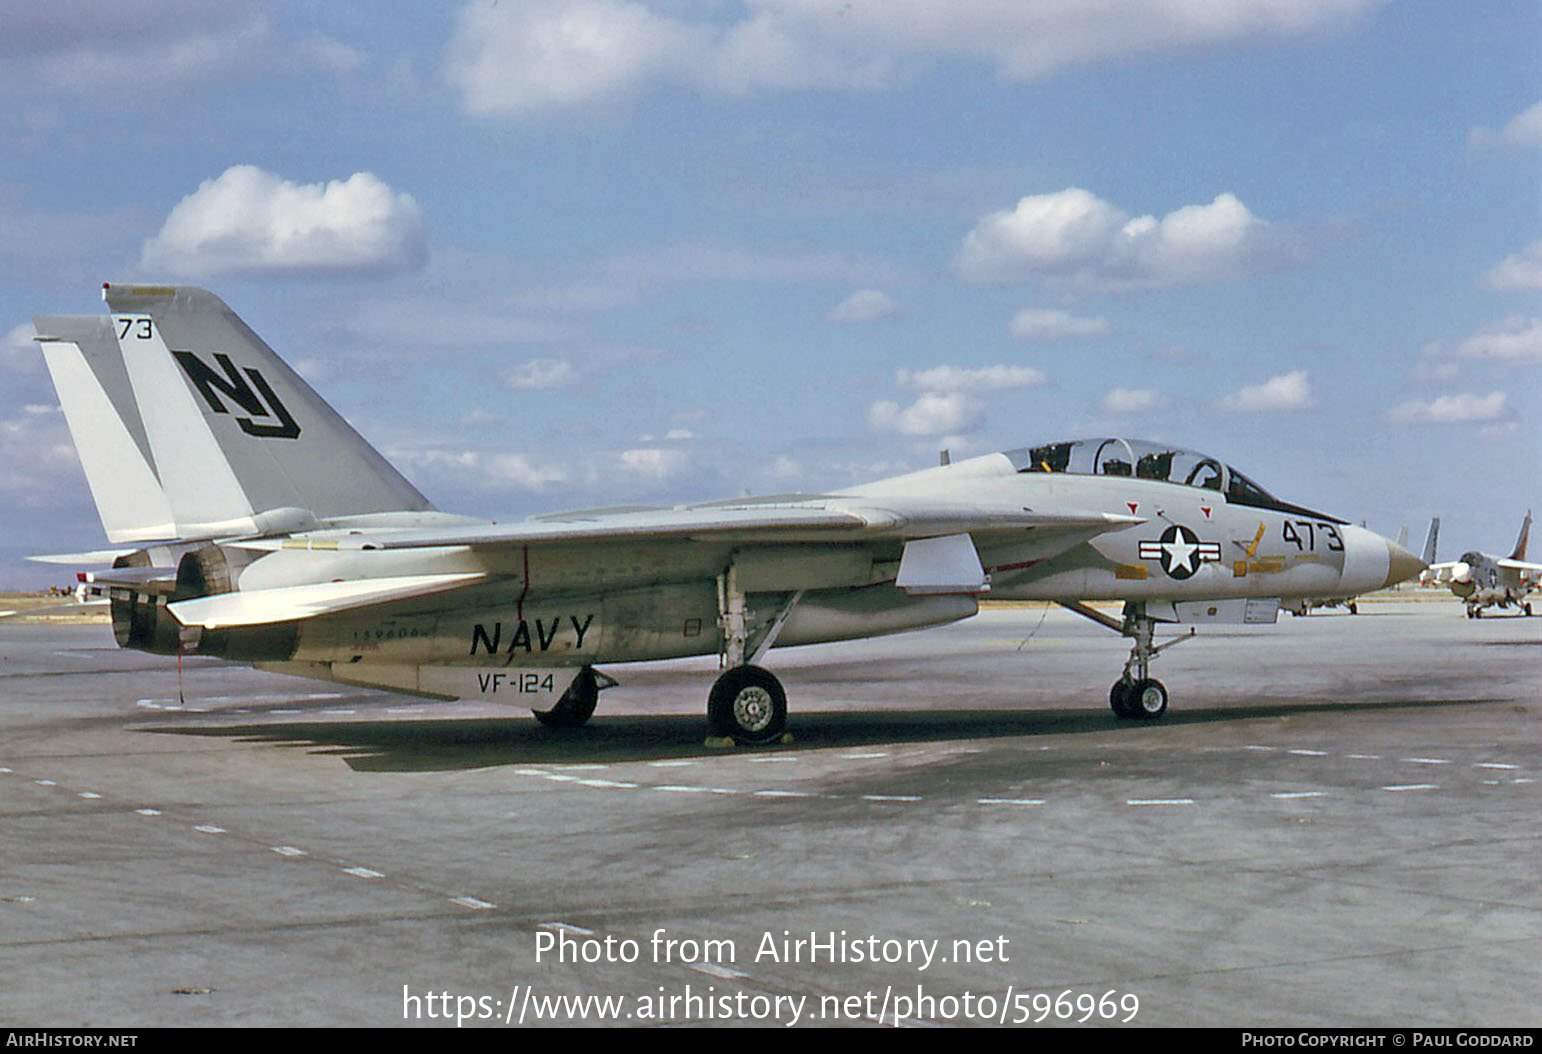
1484,581
256,525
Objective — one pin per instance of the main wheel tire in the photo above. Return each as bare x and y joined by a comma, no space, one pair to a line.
1147,699
747,704
1119,698
577,703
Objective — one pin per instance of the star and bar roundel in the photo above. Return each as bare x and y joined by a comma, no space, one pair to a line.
1180,551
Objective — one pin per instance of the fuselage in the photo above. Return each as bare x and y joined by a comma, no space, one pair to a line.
580,604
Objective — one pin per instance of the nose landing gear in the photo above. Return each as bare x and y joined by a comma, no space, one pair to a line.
1136,695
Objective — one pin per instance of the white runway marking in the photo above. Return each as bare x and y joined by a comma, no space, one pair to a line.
566,927
1412,787
727,973
363,872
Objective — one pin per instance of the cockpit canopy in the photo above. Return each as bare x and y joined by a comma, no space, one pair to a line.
1160,462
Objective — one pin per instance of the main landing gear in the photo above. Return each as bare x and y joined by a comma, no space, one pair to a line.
747,703
577,703
1136,694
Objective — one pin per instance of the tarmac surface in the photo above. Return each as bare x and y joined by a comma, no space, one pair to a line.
1335,825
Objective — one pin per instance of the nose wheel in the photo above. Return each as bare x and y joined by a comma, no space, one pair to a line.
1145,699
1136,695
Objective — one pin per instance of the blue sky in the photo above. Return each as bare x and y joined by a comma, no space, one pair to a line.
564,253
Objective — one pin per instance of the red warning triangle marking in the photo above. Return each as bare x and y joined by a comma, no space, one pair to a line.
1132,505
1206,510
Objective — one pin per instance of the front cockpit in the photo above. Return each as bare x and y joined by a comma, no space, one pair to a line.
1159,462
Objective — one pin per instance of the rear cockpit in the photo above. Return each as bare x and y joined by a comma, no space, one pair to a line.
1142,459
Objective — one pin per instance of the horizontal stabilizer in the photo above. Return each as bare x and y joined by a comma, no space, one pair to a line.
1518,565
95,558
259,607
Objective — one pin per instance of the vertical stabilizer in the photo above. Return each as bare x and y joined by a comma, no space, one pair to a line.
241,443
1429,542
98,402
1520,543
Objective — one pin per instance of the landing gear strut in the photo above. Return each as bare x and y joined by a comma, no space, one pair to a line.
747,703
1136,694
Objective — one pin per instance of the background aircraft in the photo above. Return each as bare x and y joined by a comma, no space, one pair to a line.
257,526
1484,581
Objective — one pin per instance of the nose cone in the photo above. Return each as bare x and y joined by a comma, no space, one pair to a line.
1372,562
1401,565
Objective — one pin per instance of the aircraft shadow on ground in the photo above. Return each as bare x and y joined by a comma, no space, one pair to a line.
454,745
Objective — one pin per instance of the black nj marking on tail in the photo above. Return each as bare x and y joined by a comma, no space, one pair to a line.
264,402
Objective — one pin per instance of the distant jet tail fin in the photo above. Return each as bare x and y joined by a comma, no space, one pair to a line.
1520,543
92,382
239,442
1429,542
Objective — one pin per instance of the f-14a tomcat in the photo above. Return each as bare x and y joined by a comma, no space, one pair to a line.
256,525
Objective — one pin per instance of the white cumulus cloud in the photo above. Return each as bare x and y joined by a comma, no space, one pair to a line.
514,59
1520,271
1516,339
518,470
535,54
1133,400
1074,237
1287,391
865,305
1450,409
251,222
1522,130
654,464
541,375
1051,324
933,414
964,378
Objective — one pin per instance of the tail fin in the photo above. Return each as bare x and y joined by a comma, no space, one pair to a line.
1520,543
1429,542
240,443
98,401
